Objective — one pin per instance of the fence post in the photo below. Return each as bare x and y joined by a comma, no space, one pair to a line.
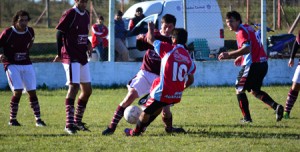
274,14
278,14
248,8
48,13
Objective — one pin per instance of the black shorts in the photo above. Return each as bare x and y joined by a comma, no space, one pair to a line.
154,106
251,78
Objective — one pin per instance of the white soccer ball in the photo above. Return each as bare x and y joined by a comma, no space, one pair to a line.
132,114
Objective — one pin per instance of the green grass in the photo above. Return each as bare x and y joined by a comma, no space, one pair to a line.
210,115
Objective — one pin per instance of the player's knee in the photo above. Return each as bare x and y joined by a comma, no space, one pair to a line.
18,93
166,112
133,93
256,93
73,90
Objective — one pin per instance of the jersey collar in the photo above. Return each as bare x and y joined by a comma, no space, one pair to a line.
15,30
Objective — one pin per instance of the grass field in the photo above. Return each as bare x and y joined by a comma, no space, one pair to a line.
210,115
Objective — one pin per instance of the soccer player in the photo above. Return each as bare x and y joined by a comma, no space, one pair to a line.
294,91
72,41
253,59
177,69
16,42
150,69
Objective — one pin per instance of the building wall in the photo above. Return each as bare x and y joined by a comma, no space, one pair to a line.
210,73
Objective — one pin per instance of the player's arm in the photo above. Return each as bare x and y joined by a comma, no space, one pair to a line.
142,44
245,49
190,81
293,53
31,31
59,44
3,39
150,36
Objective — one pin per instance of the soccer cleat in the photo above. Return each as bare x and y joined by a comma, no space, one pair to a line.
14,122
246,121
71,129
81,126
175,130
129,132
108,131
286,115
279,112
40,123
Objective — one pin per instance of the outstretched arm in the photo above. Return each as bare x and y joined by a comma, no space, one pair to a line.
150,36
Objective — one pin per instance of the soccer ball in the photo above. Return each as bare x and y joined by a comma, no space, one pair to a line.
132,114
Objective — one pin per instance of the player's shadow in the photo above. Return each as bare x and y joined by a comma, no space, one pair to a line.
38,135
236,126
244,134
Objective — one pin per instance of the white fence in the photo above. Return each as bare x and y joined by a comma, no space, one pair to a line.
209,73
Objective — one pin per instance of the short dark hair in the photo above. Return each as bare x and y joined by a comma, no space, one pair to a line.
18,14
120,13
101,18
139,9
168,18
236,15
180,35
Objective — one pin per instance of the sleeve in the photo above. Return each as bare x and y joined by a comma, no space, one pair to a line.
3,38
142,44
65,21
192,69
295,49
162,48
31,30
59,42
242,38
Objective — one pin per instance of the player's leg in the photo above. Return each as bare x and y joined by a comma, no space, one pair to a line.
260,72
167,118
86,91
153,109
137,87
16,85
293,94
72,75
240,87
29,81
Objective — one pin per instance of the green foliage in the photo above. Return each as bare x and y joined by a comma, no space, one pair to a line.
209,114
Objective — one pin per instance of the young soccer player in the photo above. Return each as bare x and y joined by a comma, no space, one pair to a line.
294,91
16,42
253,59
177,69
73,29
150,69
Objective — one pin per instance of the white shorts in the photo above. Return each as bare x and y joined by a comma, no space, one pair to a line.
20,76
296,77
77,73
142,82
